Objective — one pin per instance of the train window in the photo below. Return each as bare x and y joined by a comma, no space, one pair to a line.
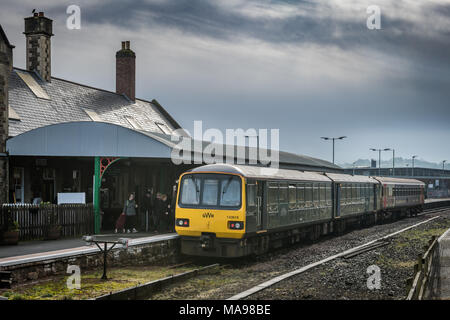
210,188
292,197
323,197
308,194
316,193
273,194
251,195
230,192
344,193
251,199
301,195
328,191
283,193
272,198
190,191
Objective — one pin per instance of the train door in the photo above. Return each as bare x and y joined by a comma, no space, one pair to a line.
375,197
260,223
337,198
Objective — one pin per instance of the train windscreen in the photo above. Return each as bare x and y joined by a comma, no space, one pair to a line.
210,191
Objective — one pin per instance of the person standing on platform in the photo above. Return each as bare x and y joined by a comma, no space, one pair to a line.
148,210
162,210
130,210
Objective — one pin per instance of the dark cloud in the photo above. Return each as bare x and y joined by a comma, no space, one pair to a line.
404,105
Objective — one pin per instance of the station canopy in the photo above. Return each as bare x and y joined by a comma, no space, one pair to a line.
93,138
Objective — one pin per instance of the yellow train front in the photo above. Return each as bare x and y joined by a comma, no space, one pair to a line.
210,213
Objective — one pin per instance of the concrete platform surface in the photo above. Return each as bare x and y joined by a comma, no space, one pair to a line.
436,200
32,251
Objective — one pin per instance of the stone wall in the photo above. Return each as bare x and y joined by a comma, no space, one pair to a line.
143,254
5,69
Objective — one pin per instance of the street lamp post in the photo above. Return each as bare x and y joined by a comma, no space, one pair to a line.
443,164
412,173
379,158
330,138
393,159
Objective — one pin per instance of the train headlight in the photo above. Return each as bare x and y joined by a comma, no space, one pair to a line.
182,222
236,225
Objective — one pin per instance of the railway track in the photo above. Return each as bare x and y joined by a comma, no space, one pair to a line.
347,254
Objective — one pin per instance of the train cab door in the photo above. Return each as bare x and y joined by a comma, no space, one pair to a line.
337,206
259,205
375,196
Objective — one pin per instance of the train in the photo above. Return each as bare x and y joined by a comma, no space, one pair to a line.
230,211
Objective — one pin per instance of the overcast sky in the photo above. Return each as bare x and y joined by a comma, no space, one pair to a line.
308,68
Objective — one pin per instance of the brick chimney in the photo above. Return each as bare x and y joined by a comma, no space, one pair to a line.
126,71
38,31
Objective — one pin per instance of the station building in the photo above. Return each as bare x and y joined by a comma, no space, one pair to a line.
58,136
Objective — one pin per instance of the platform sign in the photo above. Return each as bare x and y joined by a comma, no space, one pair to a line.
71,197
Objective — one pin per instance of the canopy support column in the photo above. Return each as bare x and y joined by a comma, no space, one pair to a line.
97,183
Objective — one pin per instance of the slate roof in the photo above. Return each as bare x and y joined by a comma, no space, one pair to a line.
68,100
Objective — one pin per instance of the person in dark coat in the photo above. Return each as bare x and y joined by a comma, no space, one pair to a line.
162,211
130,211
173,201
148,210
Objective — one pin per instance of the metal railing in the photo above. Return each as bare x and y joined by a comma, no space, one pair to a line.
422,272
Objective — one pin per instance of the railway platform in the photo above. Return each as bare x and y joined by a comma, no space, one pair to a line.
443,291
37,259
437,200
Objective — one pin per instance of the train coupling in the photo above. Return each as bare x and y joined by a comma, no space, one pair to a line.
207,241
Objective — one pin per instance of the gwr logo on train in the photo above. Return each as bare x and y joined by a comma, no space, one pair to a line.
208,215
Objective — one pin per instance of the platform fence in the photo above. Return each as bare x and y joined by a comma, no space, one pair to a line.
35,221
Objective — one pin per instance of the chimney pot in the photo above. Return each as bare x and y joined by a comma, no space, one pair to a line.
41,14
35,14
123,45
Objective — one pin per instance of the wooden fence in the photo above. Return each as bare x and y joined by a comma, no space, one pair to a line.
34,220
422,272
